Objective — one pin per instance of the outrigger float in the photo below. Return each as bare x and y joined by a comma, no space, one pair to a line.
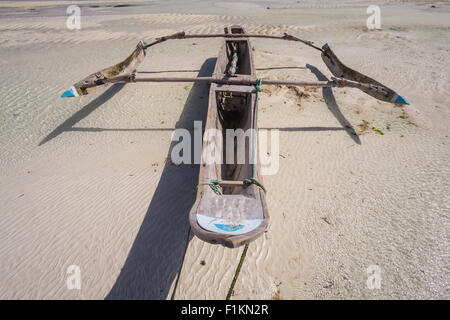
230,208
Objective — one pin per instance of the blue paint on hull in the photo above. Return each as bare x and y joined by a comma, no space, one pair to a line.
229,227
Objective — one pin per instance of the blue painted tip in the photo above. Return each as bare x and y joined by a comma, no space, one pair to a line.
67,94
401,100
143,42
72,92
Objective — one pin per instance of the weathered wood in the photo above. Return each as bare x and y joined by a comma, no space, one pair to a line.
232,183
371,86
286,36
336,82
178,35
242,80
372,89
101,79
239,215
235,34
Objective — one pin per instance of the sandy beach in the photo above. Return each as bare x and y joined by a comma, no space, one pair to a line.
88,181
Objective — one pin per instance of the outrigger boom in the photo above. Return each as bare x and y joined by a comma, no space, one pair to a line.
125,71
335,83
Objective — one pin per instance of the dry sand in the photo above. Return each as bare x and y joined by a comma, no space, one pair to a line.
86,181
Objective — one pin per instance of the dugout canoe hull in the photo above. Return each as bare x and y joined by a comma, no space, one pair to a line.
239,214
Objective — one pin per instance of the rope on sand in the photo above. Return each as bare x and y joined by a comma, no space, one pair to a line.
236,274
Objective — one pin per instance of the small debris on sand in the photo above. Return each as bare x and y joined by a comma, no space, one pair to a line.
378,130
326,220
363,127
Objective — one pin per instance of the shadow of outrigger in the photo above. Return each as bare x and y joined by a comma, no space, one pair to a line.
69,124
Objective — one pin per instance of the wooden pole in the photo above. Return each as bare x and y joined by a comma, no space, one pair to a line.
286,36
183,35
236,81
336,82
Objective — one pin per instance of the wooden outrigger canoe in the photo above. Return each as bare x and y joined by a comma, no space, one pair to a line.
230,208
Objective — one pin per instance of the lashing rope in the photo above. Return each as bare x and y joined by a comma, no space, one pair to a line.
233,66
215,185
236,273
257,87
250,181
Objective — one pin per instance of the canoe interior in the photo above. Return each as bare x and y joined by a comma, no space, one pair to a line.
235,29
233,113
244,63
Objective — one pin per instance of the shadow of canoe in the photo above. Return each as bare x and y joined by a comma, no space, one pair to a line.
158,251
